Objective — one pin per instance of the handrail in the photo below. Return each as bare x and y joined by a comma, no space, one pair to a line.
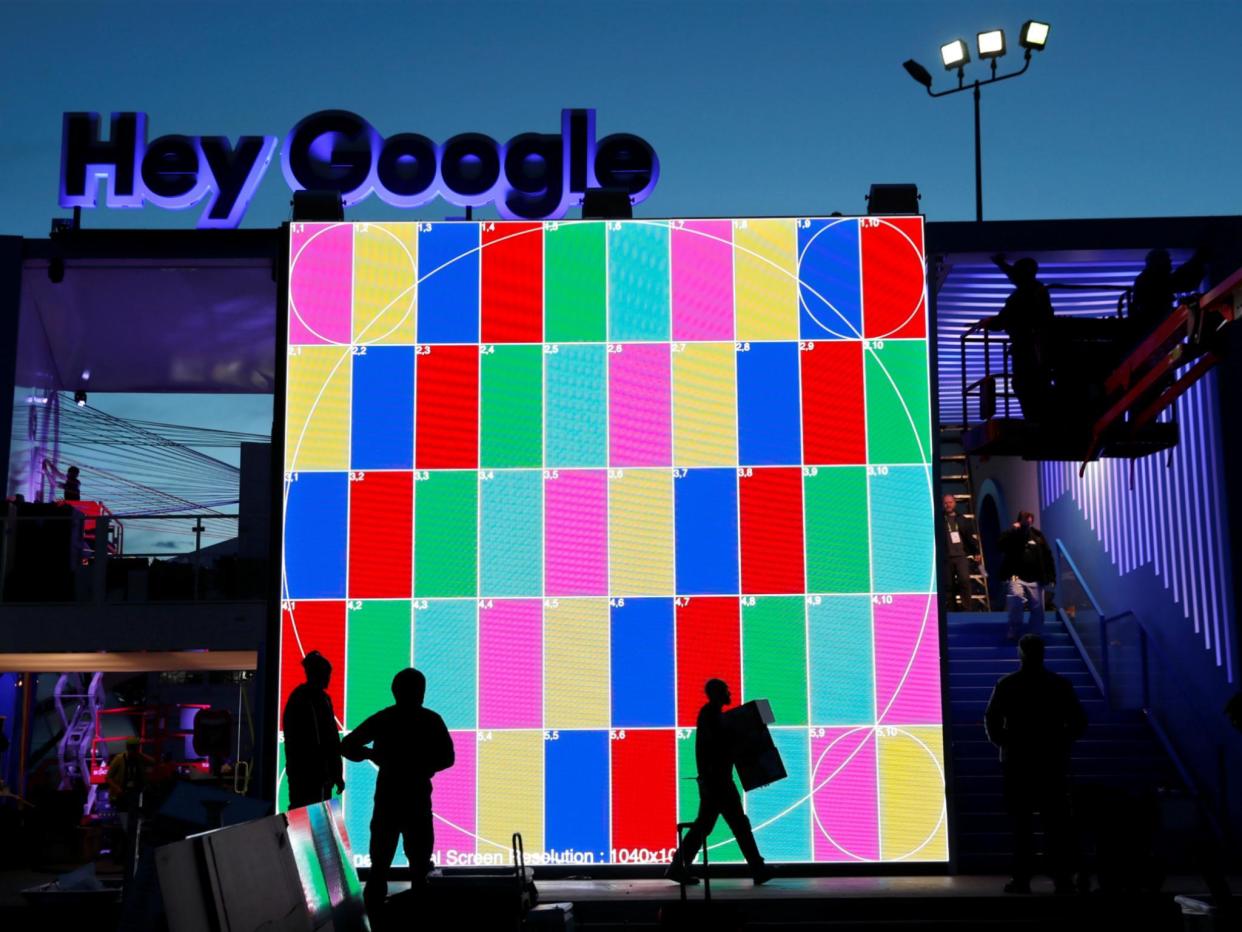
1100,684
1095,603
1174,676
975,331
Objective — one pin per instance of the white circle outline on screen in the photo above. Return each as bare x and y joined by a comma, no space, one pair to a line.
868,346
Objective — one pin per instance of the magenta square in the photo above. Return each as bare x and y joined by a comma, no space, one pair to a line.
576,533
639,405
321,259
844,807
452,799
511,663
907,661
702,273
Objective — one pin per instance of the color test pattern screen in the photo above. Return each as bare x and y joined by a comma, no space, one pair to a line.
571,470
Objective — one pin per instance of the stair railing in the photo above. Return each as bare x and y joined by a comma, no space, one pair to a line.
1116,652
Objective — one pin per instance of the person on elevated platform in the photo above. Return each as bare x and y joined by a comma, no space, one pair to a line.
72,485
1027,319
1157,286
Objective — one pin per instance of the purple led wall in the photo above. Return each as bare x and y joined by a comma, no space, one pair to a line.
974,290
1171,523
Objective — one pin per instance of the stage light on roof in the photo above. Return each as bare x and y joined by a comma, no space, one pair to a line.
1034,35
954,54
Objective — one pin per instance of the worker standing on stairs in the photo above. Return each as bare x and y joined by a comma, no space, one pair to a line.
1034,717
1026,567
961,551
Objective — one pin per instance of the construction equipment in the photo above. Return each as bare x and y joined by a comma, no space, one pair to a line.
78,698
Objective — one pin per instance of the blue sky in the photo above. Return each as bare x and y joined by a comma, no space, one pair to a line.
755,108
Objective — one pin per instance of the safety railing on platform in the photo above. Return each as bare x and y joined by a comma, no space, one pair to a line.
1131,675
992,388
47,554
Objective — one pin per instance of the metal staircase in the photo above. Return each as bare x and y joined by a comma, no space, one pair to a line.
955,480
1119,748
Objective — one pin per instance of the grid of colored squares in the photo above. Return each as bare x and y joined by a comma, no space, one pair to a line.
595,282
853,794
631,532
595,405
629,662
552,689
572,470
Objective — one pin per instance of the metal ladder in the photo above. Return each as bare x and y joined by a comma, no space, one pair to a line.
955,480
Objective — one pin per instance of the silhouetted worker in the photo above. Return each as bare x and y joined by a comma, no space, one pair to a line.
1034,718
1027,319
409,743
1155,288
129,774
1026,567
312,743
960,552
72,486
718,795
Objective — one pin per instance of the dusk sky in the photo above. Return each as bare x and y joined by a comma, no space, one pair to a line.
755,108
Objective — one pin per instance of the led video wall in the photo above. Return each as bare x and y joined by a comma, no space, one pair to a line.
571,470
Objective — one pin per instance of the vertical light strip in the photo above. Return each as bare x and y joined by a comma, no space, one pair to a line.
1194,499
1214,466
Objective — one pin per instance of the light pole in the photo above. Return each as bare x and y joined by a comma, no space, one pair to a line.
956,55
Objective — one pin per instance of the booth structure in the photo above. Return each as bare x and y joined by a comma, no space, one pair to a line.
1144,535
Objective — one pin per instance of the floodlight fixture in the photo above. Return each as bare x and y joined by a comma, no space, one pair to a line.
955,54
1034,35
991,44
79,398
918,72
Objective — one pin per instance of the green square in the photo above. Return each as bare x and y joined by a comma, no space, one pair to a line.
511,407
446,517
774,655
378,635
575,283
898,406
837,529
